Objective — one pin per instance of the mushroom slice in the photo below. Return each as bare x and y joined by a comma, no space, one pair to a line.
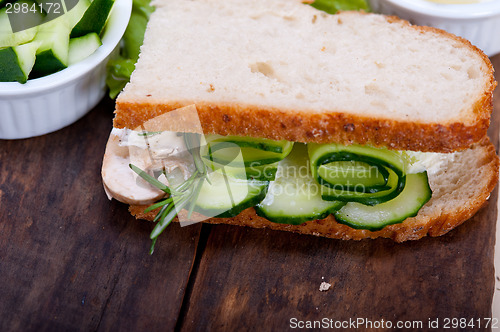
120,182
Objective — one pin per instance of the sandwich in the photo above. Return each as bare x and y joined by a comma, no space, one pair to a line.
273,114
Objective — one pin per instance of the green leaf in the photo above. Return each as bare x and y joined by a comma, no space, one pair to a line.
157,205
134,36
194,196
333,6
151,180
152,249
167,218
120,70
193,145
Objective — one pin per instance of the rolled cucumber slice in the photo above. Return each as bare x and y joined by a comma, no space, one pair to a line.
16,62
224,196
251,142
395,184
81,47
255,151
407,204
294,197
261,173
251,156
390,166
352,173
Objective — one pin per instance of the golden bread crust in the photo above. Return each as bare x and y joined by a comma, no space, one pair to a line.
312,127
432,223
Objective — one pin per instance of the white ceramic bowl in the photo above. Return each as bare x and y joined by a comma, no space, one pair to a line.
49,103
477,22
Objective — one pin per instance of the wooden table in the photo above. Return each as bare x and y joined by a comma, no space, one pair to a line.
70,259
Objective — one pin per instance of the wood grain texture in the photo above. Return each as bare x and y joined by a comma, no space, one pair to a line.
262,279
71,260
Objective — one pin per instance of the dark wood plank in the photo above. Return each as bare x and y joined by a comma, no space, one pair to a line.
69,258
259,280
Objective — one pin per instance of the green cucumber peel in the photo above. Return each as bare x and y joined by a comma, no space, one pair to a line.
219,142
394,162
406,205
256,193
94,19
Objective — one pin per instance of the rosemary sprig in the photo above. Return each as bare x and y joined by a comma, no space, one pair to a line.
184,195
150,179
193,145
196,194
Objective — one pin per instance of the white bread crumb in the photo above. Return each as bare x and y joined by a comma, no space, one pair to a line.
324,286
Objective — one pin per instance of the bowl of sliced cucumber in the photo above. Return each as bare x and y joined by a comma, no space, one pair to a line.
52,73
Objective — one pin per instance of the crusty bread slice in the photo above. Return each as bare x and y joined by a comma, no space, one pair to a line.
281,69
460,188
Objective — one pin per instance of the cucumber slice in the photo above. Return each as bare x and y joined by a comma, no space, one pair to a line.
82,47
321,154
9,38
261,173
16,62
407,204
294,197
24,15
94,19
257,143
75,13
256,152
349,188
351,173
251,157
70,4
52,9
52,55
226,196
395,184
72,16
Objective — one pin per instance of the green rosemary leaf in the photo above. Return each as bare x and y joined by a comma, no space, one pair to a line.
157,205
149,133
193,145
151,180
152,249
194,196
164,209
183,187
167,219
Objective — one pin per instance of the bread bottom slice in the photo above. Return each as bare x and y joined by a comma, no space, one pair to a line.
460,187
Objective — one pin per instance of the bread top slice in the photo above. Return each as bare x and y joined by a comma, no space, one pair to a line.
281,69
